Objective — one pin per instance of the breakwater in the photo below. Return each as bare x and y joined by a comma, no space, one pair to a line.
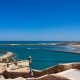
67,51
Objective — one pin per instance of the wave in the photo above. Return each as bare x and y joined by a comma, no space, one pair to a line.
30,48
37,44
9,44
35,48
70,48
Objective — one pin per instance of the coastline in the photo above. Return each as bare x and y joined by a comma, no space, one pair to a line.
22,69
67,71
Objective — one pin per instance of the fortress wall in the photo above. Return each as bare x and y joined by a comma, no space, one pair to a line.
56,69
38,73
15,74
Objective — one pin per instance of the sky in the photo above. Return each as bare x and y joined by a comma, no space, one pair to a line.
40,20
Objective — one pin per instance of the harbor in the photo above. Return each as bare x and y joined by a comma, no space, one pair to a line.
34,62
22,69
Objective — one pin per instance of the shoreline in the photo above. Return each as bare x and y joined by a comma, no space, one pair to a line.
58,72
16,70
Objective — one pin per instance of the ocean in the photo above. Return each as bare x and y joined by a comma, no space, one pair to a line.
41,52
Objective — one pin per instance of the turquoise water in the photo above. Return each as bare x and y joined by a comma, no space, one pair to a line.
42,55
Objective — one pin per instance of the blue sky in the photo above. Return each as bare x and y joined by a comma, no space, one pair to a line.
40,20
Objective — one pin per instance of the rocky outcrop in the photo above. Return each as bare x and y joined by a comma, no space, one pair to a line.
12,70
7,57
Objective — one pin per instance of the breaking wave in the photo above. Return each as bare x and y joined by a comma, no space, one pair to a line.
37,44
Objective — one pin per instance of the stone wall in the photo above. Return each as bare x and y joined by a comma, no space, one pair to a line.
56,69
15,74
39,73
52,70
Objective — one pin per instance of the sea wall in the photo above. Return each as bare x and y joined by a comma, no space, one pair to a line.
56,69
45,74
